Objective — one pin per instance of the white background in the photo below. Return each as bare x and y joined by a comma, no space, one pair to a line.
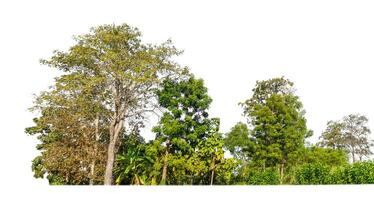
325,47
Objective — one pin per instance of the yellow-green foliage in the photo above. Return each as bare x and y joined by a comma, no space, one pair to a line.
357,173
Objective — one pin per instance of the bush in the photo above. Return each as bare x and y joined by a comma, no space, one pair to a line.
313,174
357,173
267,177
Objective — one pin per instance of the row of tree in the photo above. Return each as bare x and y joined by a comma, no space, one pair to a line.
90,120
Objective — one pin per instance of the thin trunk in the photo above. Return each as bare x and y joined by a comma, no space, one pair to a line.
353,154
92,172
281,172
264,166
212,173
353,157
165,167
93,163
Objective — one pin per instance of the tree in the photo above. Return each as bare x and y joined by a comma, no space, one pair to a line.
126,72
356,134
351,134
70,130
332,137
226,171
279,125
184,125
264,89
211,150
238,142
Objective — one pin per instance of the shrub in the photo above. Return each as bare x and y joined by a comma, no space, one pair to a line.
267,177
357,173
310,174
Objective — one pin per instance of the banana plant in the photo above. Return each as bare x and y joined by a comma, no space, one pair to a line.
133,168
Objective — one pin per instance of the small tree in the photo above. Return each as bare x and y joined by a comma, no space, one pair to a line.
238,142
356,134
332,137
185,123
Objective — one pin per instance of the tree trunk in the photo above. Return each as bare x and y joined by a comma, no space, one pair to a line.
264,166
165,167
109,165
92,172
353,154
114,130
353,157
97,138
281,172
212,173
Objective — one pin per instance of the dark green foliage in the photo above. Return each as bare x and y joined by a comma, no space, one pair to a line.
186,120
192,149
267,177
279,128
279,125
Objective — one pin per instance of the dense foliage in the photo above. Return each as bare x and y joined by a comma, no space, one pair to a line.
279,126
356,173
90,121
267,177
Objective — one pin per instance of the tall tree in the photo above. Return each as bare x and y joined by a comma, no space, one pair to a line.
279,125
127,71
351,134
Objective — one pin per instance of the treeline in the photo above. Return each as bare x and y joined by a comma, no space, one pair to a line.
90,120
